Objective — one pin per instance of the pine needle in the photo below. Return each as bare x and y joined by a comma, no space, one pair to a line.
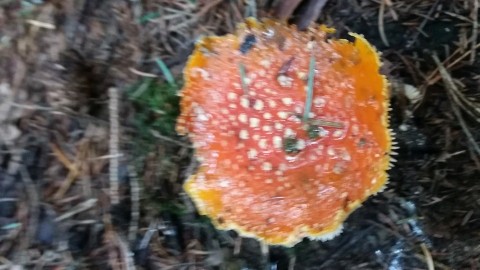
451,89
381,28
114,144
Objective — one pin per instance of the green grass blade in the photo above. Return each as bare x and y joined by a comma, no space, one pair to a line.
149,16
166,72
243,76
311,77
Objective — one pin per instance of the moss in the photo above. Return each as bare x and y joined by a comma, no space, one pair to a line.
157,106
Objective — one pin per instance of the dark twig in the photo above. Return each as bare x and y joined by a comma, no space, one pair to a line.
422,25
286,8
312,12
34,203
342,248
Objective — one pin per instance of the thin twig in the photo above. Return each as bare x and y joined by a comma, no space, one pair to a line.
265,249
73,171
143,74
31,107
113,144
136,9
311,13
126,254
152,229
291,262
285,9
237,246
465,128
458,16
204,10
157,135
135,204
81,207
451,87
345,246
33,204
119,253
58,153
392,11
436,263
435,77
422,25
41,24
5,109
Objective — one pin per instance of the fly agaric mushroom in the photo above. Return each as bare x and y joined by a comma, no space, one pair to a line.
290,128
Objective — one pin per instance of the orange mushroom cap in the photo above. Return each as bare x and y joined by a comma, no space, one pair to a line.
271,166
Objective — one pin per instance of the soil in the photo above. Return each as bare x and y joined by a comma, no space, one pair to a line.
60,62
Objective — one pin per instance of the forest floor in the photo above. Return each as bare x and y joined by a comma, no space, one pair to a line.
71,70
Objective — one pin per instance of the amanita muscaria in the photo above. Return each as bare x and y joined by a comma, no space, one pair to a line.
290,128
